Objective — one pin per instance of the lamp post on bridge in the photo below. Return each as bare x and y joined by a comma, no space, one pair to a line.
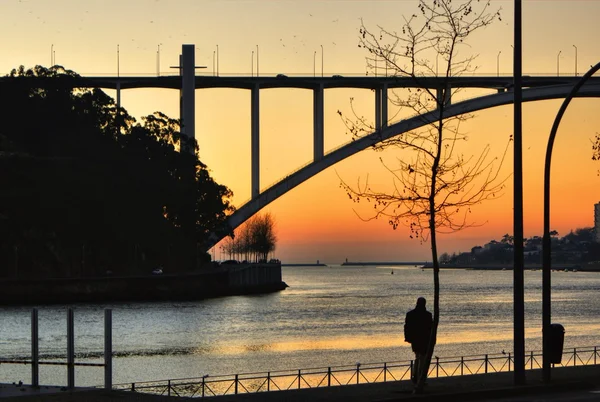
315,64
158,60
575,60
498,64
252,65
321,60
558,63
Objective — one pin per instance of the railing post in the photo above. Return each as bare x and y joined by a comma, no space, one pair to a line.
70,349
35,373
107,348
574,357
411,369
132,387
462,365
169,388
595,354
268,380
509,361
203,383
329,376
299,374
531,361
486,364
437,367
357,372
384,372
236,384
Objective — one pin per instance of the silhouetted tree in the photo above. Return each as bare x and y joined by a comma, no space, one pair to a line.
254,239
435,187
82,194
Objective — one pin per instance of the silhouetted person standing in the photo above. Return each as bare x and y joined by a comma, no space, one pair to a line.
417,330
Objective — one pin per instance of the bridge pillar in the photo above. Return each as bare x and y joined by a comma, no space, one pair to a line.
255,139
377,109
381,107
318,105
384,106
188,100
118,117
440,92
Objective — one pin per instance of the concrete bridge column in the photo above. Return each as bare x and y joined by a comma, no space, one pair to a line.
448,93
318,121
118,117
381,107
384,106
377,109
187,65
255,140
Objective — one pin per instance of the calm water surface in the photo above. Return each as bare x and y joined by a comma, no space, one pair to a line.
328,316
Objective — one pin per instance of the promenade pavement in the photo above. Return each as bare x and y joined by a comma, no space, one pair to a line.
481,387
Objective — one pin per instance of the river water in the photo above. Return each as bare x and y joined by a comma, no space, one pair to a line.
336,315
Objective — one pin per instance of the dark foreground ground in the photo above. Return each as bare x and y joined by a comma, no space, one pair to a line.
568,383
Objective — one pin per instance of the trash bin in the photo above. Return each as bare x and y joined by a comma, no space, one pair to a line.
556,342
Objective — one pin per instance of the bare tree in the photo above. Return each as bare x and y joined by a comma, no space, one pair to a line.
254,240
264,238
434,185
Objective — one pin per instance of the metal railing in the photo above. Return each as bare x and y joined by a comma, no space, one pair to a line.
207,386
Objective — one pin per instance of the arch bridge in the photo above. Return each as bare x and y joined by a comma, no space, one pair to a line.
535,88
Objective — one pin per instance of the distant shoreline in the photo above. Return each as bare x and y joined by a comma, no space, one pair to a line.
385,263
509,267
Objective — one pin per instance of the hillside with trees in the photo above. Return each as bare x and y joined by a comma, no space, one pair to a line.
576,248
86,189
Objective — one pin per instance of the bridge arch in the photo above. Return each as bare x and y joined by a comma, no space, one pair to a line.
472,105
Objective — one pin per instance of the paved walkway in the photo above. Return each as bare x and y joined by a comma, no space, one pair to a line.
466,388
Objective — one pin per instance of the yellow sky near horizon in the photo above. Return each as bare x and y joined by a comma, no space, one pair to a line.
316,220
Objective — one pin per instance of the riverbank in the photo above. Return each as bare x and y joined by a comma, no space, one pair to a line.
374,263
509,267
241,279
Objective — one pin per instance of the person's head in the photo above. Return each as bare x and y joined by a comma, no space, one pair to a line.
421,302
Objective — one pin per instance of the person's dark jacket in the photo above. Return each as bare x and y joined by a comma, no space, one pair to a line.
417,329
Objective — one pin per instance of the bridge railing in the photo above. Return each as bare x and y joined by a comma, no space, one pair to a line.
207,386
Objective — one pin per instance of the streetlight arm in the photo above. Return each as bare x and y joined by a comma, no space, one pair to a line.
546,242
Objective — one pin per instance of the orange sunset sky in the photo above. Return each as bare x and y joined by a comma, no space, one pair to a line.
316,221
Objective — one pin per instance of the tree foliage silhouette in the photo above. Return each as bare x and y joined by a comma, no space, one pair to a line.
87,188
434,185
254,240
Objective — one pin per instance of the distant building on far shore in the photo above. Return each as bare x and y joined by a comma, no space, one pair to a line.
597,221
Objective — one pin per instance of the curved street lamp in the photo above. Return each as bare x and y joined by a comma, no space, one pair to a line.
547,244
558,63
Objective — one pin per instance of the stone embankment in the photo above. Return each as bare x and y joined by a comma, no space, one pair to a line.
241,279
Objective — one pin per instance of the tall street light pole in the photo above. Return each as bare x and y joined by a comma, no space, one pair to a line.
498,64
315,64
575,60
558,63
257,60
518,269
252,65
51,55
217,60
